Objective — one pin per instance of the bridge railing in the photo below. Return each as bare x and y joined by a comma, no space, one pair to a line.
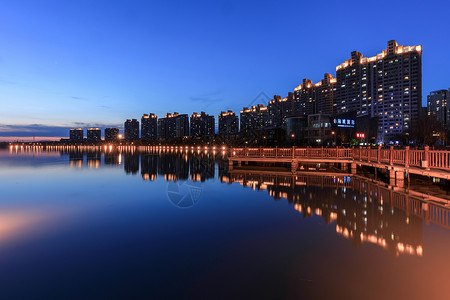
405,157
416,157
292,152
439,159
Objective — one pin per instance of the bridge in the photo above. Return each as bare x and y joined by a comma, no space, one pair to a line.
398,162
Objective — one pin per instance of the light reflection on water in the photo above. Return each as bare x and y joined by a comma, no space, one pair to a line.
183,226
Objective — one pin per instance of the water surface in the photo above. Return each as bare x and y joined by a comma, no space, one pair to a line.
181,226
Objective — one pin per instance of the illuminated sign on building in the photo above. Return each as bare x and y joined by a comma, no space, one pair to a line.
344,122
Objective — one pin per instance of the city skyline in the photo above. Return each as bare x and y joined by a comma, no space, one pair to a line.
71,79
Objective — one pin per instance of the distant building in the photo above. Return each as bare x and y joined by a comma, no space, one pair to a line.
255,118
324,130
94,135
316,98
76,135
131,130
181,125
228,123
319,129
202,125
437,106
173,126
279,109
149,127
305,99
297,128
387,86
111,134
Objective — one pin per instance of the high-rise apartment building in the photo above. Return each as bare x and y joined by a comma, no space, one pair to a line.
437,106
76,135
325,93
305,101
94,135
149,127
131,129
173,126
278,109
202,125
111,134
387,86
316,98
181,125
228,123
257,117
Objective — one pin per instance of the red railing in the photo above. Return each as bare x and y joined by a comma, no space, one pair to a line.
439,159
390,156
293,152
415,158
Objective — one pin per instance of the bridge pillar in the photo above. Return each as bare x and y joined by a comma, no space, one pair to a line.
239,163
344,166
294,166
425,159
378,153
353,168
406,156
230,164
392,177
400,179
391,155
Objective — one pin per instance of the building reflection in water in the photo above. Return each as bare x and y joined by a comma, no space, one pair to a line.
131,163
93,159
202,167
112,159
197,166
364,212
149,167
76,159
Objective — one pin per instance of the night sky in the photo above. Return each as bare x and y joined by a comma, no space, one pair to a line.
96,63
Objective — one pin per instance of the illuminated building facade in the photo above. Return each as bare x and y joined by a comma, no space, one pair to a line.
94,135
319,129
255,118
316,98
305,102
111,134
278,109
228,123
202,125
173,126
76,135
149,126
131,130
387,86
437,106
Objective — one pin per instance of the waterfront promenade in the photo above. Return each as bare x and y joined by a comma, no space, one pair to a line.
398,162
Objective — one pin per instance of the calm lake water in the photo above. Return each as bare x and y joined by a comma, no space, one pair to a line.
177,226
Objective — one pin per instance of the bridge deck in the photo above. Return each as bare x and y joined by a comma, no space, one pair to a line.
421,162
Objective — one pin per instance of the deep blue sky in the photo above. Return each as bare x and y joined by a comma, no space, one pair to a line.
100,62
